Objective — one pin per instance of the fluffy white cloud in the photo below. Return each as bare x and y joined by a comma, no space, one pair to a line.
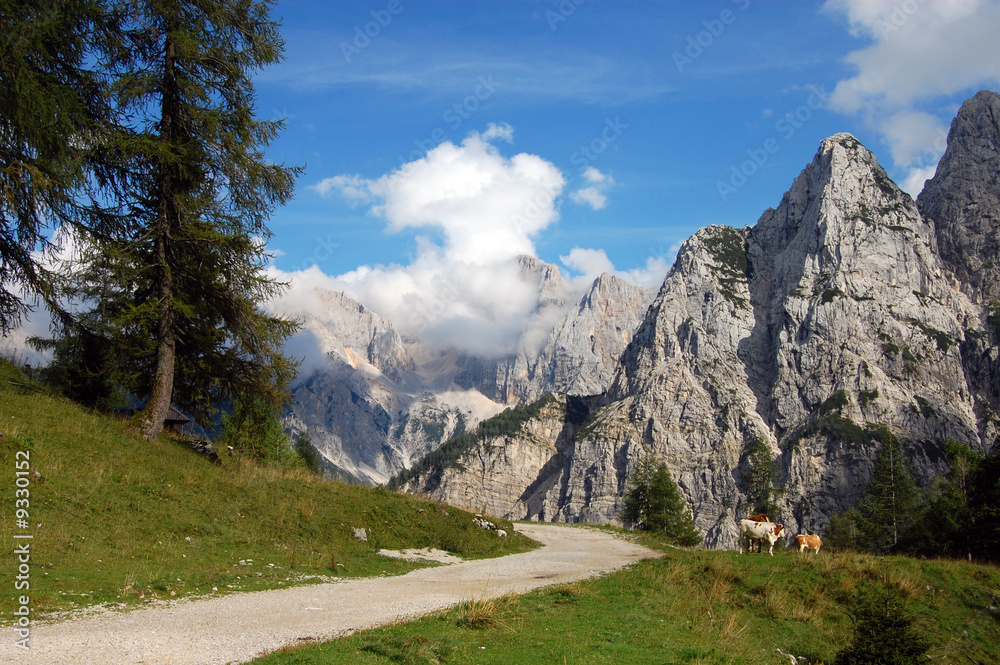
593,195
487,206
921,52
591,263
590,196
913,184
467,292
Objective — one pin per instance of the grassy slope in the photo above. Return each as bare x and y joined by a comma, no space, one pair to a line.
116,519
691,607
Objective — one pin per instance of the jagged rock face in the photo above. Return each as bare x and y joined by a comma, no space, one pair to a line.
833,313
515,477
367,411
576,353
963,198
842,292
963,202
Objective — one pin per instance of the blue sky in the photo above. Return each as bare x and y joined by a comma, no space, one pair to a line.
442,139
686,93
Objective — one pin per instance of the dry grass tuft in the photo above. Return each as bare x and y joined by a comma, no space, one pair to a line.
483,614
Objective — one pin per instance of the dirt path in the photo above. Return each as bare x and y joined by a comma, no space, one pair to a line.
239,627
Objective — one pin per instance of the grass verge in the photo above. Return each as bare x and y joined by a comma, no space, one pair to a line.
116,520
692,607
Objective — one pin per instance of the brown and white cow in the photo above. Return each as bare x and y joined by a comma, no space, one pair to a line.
751,530
760,517
807,542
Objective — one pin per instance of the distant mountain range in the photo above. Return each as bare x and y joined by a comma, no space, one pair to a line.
381,401
847,308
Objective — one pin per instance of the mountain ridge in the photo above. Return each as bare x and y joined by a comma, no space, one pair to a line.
832,316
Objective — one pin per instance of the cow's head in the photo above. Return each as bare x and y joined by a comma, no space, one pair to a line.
777,529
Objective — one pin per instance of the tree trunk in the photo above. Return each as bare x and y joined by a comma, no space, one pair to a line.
158,406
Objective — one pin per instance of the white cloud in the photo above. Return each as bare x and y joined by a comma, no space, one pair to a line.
594,195
466,291
914,137
921,53
593,175
487,206
913,184
592,263
589,196
502,131
354,187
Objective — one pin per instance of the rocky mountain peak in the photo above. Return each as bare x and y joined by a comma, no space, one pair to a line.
551,285
829,319
963,198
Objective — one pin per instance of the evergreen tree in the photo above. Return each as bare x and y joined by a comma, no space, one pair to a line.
984,497
758,480
842,532
254,429
54,168
889,504
307,453
883,630
654,503
184,313
947,519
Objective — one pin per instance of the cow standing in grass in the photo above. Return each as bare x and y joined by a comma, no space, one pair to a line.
807,542
760,517
751,530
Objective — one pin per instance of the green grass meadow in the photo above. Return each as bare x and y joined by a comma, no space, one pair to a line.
117,520
692,606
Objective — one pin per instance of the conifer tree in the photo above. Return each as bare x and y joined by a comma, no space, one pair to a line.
985,501
889,504
654,503
946,523
883,630
54,168
184,315
758,479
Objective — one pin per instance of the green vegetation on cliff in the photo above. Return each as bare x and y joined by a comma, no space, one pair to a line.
506,423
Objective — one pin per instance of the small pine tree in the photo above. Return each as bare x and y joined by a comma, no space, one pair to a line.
758,479
654,503
253,429
883,631
889,506
984,498
946,522
307,453
842,533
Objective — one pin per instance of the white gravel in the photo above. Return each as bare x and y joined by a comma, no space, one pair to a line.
237,628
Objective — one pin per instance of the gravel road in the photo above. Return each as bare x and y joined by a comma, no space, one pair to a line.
240,627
